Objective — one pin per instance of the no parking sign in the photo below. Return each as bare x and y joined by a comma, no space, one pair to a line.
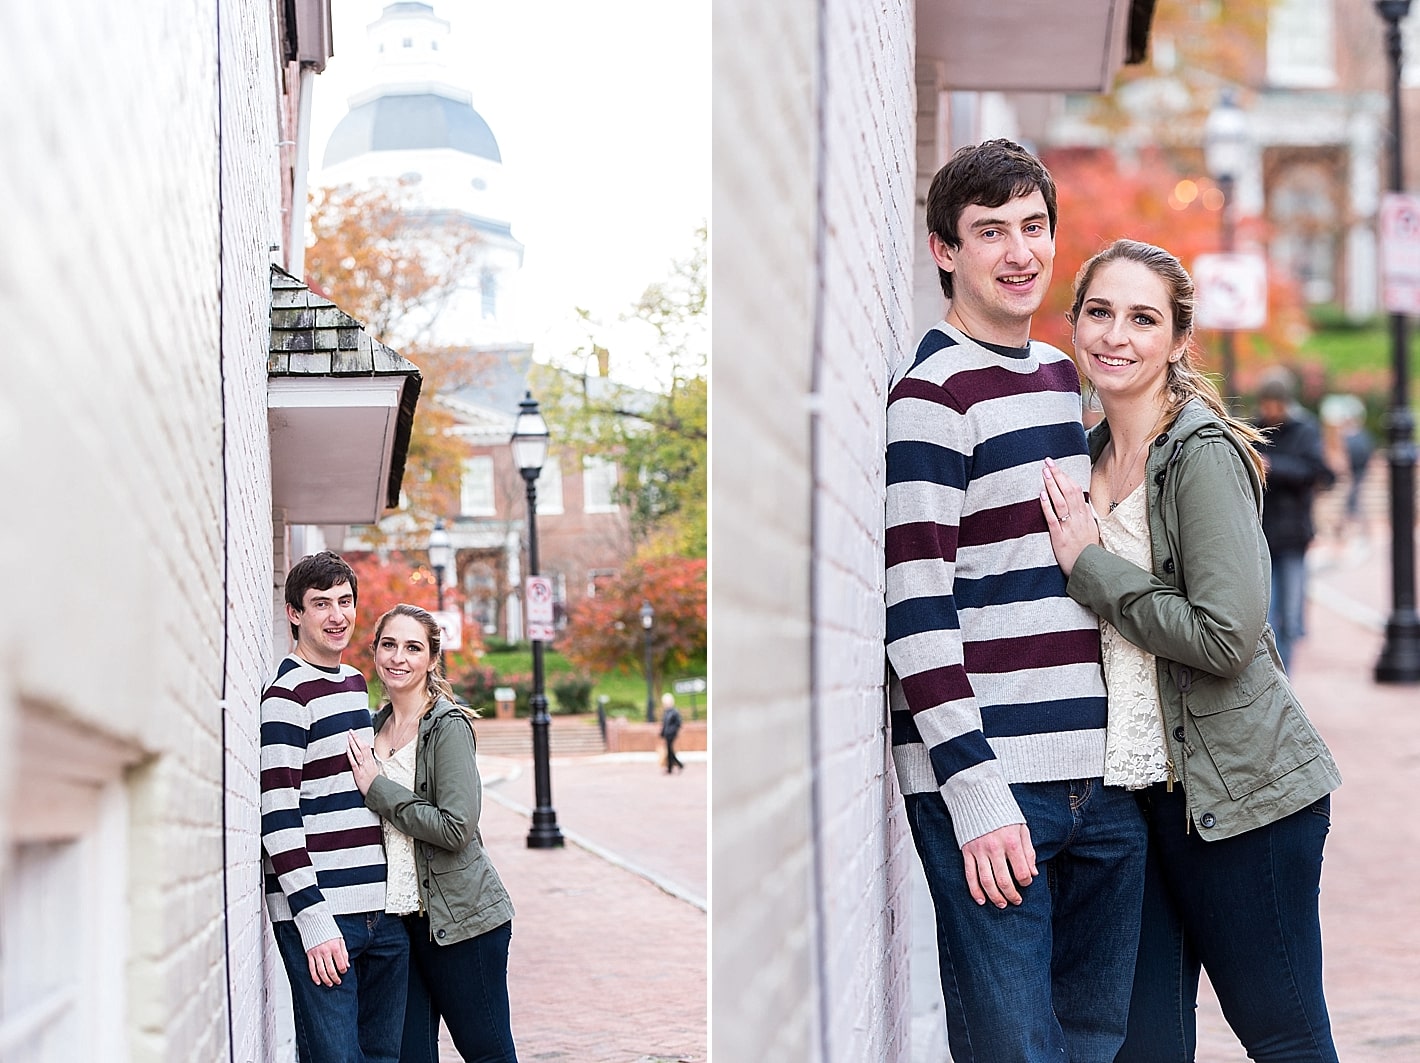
1231,291
539,603
1400,253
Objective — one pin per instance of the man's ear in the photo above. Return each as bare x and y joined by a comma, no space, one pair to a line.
941,252
293,614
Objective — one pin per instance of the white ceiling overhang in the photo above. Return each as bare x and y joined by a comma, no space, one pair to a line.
1032,45
332,446
340,409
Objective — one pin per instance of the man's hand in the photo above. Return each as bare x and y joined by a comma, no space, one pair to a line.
992,859
328,961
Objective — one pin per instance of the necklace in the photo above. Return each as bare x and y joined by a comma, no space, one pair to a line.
398,737
1127,482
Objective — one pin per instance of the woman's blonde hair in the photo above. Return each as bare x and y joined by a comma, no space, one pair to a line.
1185,380
436,686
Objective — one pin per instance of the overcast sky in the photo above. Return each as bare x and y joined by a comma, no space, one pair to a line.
602,116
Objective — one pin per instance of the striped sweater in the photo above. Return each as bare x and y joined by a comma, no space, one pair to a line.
323,848
995,669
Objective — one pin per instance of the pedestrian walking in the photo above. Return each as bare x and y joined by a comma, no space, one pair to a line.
347,961
998,703
422,777
670,728
1233,778
1296,471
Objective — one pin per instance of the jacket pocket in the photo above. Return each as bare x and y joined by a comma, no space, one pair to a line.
463,880
1251,726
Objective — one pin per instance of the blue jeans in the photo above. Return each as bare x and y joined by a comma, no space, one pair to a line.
1048,979
359,1020
465,984
1245,909
1287,608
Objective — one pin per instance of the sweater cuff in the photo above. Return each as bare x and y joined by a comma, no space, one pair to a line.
316,926
980,808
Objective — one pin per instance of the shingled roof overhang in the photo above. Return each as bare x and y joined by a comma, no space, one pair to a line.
340,406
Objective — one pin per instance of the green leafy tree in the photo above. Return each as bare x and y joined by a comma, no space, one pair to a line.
658,438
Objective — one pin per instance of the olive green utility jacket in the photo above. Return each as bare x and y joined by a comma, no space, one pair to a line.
457,883
1237,736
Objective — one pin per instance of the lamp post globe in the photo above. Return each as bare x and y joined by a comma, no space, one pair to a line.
1399,661
648,621
529,444
1225,153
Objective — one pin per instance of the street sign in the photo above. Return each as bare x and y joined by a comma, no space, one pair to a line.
1231,290
538,595
450,623
1400,253
689,686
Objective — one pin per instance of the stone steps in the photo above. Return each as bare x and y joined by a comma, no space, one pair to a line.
568,736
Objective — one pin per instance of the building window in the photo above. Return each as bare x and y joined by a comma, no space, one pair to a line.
488,288
549,489
1409,42
598,485
597,580
476,497
1301,45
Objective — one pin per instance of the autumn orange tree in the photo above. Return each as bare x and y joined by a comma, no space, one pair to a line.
398,269
1102,199
386,580
604,633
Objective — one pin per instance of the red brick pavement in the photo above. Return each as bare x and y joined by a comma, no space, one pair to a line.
605,967
1370,899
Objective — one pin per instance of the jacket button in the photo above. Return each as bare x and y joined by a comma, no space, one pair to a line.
440,933
1161,439
1178,733
1208,820
1159,478
423,786
426,883
1168,565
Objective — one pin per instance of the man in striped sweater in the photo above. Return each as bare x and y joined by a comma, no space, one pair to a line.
998,702
347,960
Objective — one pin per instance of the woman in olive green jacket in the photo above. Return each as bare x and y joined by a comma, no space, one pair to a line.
422,778
1233,778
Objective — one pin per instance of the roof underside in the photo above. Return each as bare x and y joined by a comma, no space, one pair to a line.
1033,45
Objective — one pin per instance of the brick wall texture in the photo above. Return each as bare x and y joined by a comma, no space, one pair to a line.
133,288
815,129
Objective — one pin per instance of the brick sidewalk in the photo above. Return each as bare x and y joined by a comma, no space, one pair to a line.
605,967
1369,895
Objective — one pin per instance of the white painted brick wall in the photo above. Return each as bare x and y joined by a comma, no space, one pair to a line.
251,225
113,425
810,945
763,238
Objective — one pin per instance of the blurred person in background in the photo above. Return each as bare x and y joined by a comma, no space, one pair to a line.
1296,470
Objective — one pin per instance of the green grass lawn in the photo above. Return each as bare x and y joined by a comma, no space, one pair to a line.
625,690
1356,358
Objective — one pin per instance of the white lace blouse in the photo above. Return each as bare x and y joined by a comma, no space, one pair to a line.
1135,755
401,878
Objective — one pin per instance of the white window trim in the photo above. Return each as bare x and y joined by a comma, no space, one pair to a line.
592,471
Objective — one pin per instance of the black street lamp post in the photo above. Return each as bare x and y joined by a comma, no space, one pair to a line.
439,558
1400,656
648,620
529,452
1225,139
